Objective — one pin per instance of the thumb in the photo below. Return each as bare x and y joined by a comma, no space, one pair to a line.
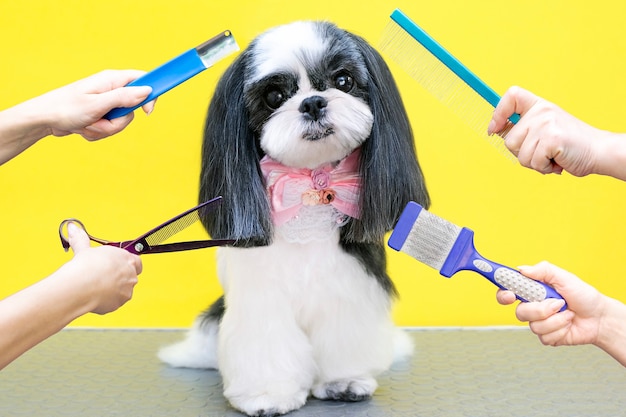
78,238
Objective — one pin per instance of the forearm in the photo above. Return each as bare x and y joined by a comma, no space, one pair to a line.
612,334
611,155
21,126
39,311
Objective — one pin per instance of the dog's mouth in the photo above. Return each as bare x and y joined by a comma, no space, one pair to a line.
318,134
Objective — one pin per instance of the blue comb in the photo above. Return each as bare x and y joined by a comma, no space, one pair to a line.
180,69
449,249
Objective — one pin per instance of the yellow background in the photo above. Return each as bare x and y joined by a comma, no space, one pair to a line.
570,52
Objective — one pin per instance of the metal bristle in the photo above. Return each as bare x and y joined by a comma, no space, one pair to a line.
431,239
217,48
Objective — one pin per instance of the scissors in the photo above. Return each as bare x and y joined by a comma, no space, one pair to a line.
149,242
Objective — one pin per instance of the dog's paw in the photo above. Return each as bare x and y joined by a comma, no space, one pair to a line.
352,390
269,405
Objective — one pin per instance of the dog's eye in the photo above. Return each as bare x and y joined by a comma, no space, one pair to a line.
274,98
344,82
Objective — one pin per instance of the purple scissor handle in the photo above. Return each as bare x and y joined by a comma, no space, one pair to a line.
149,242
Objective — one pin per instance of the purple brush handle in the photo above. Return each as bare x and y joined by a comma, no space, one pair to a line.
464,256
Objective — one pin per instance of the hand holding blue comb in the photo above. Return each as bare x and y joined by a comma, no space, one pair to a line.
180,69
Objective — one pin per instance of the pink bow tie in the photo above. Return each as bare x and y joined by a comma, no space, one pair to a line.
292,188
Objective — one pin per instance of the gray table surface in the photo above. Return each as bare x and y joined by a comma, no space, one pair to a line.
454,372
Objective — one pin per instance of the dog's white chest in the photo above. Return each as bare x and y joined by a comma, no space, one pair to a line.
312,223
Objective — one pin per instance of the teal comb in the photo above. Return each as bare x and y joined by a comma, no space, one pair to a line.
444,76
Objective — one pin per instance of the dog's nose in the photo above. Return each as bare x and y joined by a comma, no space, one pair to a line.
313,107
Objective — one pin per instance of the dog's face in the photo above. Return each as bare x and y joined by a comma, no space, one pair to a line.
306,94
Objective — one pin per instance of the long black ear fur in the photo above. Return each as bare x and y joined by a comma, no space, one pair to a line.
389,168
230,166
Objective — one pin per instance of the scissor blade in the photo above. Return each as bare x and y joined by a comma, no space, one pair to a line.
176,224
184,246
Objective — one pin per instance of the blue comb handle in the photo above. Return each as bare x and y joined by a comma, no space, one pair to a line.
163,79
464,256
449,60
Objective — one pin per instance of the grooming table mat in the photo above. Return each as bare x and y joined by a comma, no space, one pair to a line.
454,372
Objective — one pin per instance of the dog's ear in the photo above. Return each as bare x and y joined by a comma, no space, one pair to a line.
230,165
389,168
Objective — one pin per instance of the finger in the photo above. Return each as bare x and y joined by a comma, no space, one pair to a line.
556,337
104,128
514,139
535,311
527,150
541,162
557,169
517,136
148,108
543,152
111,79
77,237
502,112
505,297
554,326
137,264
515,100
122,97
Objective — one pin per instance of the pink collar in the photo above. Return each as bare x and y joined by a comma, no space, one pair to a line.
292,188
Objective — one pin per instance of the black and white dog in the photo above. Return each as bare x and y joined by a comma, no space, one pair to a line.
309,144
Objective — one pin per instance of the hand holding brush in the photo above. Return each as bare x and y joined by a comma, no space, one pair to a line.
449,249
591,317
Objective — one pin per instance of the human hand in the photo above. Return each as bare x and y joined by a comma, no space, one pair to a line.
546,138
579,324
107,273
79,107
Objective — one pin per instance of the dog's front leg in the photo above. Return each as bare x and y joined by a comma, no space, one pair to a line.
265,359
356,322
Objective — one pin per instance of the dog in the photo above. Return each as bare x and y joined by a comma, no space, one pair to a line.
308,141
